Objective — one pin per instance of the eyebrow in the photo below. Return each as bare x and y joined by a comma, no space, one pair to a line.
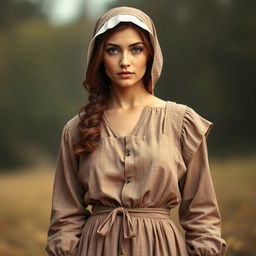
116,45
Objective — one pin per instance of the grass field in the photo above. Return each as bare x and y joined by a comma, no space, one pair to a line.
26,200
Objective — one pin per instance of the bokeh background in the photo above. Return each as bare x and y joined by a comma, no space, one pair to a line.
209,50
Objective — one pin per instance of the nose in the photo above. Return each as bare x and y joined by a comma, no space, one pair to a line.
124,60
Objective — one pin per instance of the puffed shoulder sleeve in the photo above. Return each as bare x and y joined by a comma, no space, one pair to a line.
199,213
69,211
194,128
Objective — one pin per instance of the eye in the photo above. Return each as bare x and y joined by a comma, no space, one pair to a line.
112,50
137,49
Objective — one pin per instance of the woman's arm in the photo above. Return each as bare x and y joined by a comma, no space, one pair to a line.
199,213
69,212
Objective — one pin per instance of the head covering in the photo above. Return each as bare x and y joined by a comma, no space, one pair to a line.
129,14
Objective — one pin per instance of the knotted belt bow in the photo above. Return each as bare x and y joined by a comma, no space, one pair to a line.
128,228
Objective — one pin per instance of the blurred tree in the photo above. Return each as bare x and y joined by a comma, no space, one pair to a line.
41,69
234,60
14,11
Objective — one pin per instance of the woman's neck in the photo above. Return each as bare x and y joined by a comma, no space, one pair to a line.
129,97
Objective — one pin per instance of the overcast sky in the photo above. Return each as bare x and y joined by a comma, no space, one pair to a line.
63,11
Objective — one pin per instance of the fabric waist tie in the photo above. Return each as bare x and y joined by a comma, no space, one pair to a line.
128,228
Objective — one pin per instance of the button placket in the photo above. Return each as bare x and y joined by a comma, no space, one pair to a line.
128,160
129,171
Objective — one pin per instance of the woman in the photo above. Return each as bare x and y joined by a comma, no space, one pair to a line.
132,157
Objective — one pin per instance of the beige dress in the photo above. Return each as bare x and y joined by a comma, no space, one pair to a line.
133,182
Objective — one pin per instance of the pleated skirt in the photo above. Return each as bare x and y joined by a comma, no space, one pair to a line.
124,233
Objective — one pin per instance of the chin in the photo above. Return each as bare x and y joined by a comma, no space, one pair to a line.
126,83
123,85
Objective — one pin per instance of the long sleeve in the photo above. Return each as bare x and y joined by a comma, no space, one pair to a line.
199,213
69,212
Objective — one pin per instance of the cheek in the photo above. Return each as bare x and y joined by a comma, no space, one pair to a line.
142,63
109,65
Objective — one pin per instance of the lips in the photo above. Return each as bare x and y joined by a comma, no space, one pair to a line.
125,74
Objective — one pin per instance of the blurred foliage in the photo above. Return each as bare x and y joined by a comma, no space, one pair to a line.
41,70
209,49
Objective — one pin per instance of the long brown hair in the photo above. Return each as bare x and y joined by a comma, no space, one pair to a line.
98,85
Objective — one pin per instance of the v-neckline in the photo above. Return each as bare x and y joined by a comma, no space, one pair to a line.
134,128
137,125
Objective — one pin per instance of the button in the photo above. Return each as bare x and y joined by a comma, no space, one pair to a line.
128,179
128,153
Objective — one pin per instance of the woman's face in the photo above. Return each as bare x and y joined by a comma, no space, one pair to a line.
125,58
